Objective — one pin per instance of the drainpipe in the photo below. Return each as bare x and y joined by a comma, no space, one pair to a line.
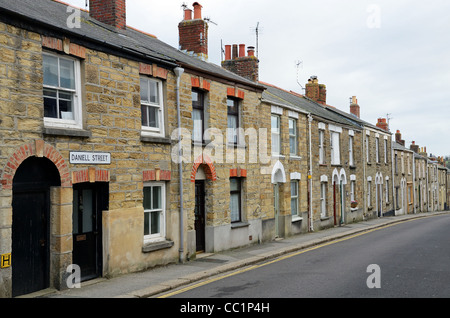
178,72
414,183
394,199
311,226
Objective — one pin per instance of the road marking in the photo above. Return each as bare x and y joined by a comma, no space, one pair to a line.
283,258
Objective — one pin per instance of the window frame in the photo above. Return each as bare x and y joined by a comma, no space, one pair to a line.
237,192
321,146
367,149
160,236
235,114
335,149
377,149
199,106
148,130
351,159
77,121
323,199
278,133
294,136
295,197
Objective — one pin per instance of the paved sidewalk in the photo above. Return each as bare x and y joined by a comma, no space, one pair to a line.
163,279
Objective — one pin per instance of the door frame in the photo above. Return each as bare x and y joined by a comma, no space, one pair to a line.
100,204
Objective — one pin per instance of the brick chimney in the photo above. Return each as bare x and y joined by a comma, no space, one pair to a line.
315,91
398,138
112,12
238,62
193,33
354,107
382,123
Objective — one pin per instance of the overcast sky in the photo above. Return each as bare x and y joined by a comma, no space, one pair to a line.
394,56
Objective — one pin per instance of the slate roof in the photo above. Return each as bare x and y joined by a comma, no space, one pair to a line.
279,96
53,15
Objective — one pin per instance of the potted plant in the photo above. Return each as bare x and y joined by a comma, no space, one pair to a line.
354,204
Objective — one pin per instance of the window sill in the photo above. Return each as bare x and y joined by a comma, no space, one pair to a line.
156,246
156,139
238,225
231,145
295,157
325,218
352,167
296,218
278,156
54,131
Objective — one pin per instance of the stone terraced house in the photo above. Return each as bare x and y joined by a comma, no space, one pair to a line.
119,153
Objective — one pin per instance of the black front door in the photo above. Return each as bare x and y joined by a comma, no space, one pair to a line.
89,200
200,215
30,257
31,225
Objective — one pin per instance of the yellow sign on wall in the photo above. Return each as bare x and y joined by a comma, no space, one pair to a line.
5,261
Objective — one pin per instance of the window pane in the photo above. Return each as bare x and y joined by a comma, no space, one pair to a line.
144,112
50,104
275,143
232,128
150,116
65,106
67,73
144,90
87,210
292,144
153,116
50,70
198,125
156,195
274,123
147,198
293,189
146,223
232,106
194,96
234,207
154,92
154,222
294,206
234,184
292,127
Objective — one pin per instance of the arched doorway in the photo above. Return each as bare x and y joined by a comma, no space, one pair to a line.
31,224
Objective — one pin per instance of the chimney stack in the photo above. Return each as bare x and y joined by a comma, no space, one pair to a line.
237,62
354,107
193,33
382,123
112,12
398,138
315,91
414,147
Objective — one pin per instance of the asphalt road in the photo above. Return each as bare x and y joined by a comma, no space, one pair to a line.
410,259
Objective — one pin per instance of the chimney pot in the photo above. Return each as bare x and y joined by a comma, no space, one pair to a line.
251,51
235,51
241,50
227,52
187,14
197,10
